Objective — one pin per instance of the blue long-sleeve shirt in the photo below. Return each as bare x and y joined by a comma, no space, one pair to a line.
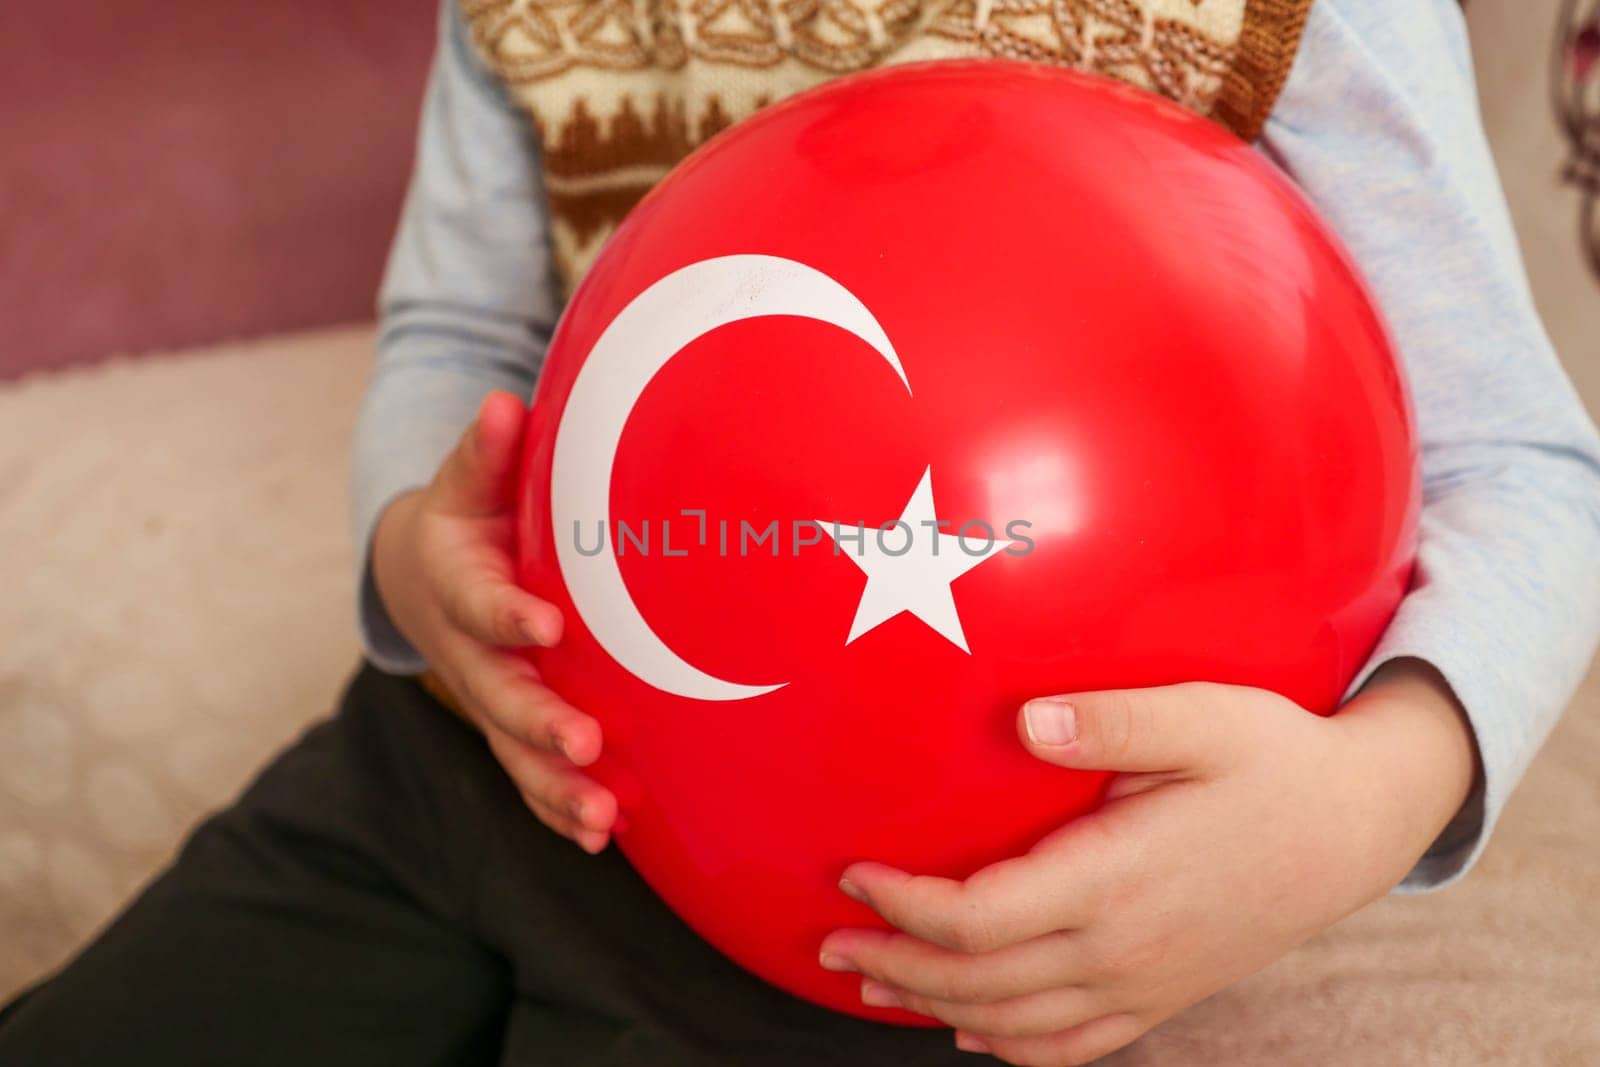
1378,124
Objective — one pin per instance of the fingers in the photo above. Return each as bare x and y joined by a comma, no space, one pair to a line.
1174,728
591,841
1039,1002
474,610
1001,905
468,564
1081,1044
501,691
563,798
541,741
1034,1015
933,974
489,608
475,480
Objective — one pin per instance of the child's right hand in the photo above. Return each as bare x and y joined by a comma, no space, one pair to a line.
441,560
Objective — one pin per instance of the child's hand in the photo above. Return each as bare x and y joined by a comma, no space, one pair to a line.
1242,827
441,559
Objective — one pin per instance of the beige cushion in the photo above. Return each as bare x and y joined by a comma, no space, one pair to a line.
176,606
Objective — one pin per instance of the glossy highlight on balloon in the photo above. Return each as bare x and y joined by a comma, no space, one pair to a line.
913,397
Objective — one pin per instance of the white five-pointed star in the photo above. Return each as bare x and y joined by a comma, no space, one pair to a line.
910,567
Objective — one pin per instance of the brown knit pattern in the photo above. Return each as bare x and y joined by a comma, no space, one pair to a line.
620,90
584,147
1118,38
1263,56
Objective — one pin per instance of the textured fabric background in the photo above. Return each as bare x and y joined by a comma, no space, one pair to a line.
176,576
173,557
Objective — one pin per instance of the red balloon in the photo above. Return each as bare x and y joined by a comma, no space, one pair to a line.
980,298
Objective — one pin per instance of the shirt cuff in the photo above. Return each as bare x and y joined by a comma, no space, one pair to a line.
412,416
1463,839
1511,643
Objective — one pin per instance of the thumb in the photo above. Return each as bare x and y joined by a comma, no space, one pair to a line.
475,479
1173,728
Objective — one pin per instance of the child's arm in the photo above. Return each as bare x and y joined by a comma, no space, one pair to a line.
1379,124
1244,825
467,306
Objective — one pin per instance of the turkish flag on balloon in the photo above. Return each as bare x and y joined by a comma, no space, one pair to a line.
911,398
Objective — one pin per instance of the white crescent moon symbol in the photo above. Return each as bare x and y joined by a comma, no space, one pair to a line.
654,327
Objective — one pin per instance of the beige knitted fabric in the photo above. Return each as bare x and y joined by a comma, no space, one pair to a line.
620,90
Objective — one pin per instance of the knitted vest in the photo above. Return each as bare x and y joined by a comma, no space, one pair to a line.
620,90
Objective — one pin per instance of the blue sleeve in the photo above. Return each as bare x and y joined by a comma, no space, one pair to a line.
1379,125
468,301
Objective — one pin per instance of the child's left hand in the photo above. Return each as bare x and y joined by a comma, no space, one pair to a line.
1242,826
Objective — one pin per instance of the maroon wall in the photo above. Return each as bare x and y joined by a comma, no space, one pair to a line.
174,173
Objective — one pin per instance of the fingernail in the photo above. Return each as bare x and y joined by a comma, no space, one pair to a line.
968,1043
591,841
832,962
561,746
851,890
1050,721
878,995
575,809
525,628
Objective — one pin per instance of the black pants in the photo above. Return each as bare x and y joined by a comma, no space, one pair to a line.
381,896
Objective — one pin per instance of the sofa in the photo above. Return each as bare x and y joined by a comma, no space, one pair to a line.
184,337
